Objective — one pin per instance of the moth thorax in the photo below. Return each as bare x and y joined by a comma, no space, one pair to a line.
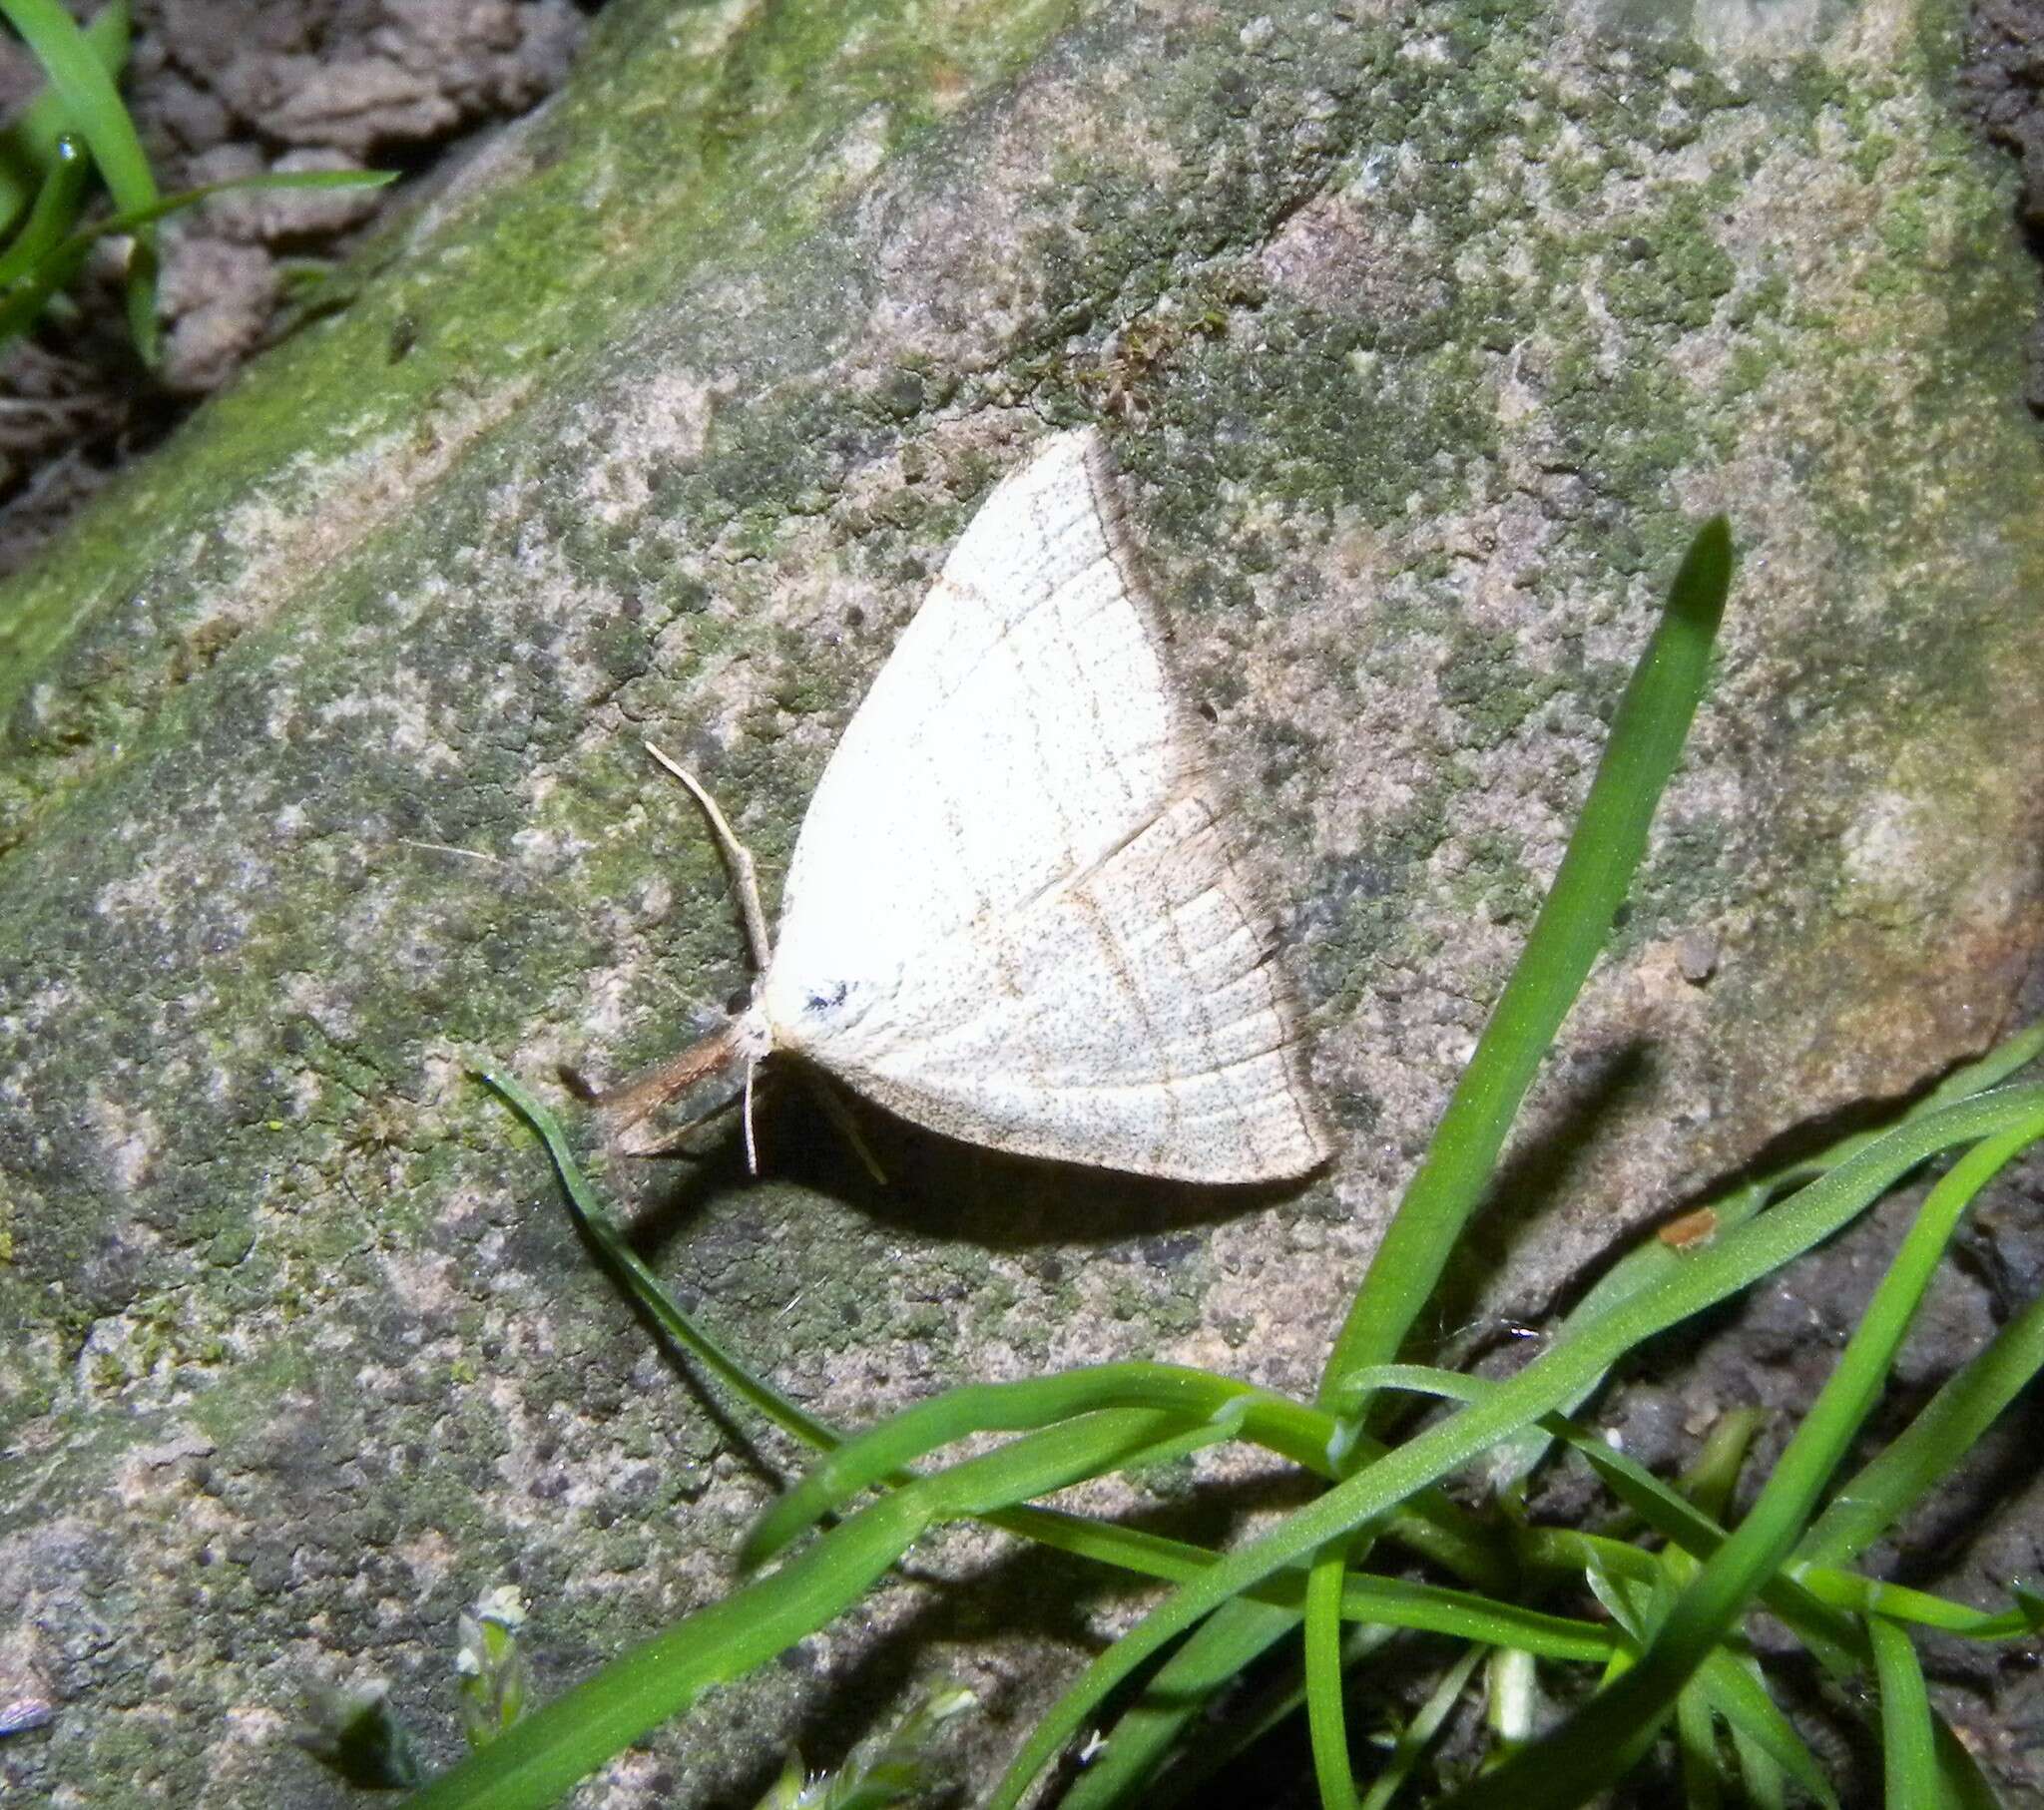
751,1033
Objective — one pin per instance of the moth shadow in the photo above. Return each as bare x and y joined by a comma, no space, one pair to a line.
943,1188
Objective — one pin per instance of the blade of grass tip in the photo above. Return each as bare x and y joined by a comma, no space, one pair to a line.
1757,1249
756,1394
54,212
1766,1784
1951,1423
1740,1698
28,143
1860,1596
1598,1744
1696,1734
1964,1785
1217,1655
94,108
1610,838
134,220
1908,1751
1647,736
1421,1730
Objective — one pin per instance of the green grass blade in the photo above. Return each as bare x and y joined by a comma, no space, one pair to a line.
57,266
541,1757
1738,1697
132,220
1193,1397
1327,1680
94,109
1952,1422
1909,1750
52,216
1647,735
1600,1742
1652,1259
1860,1595
1732,1264
1766,1786
759,1395
34,268
28,143
1420,1731
1696,1734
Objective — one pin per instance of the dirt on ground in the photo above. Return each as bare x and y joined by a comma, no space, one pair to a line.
227,88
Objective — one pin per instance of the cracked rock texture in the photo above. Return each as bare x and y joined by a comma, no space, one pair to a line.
1425,336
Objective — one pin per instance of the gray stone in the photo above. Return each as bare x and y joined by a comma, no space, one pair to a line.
1426,338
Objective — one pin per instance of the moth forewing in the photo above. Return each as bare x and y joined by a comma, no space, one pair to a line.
1017,912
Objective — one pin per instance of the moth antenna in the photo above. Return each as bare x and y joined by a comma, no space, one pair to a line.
738,861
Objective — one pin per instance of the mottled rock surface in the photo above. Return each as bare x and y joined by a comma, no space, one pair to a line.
1425,337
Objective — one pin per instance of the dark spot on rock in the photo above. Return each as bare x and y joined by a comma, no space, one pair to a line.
270,1570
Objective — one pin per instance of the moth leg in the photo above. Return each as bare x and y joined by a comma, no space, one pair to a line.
626,1105
847,1120
738,861
670,1142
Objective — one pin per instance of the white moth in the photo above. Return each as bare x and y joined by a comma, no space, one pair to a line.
1015,913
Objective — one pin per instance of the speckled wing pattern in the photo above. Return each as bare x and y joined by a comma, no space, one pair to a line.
1014,914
